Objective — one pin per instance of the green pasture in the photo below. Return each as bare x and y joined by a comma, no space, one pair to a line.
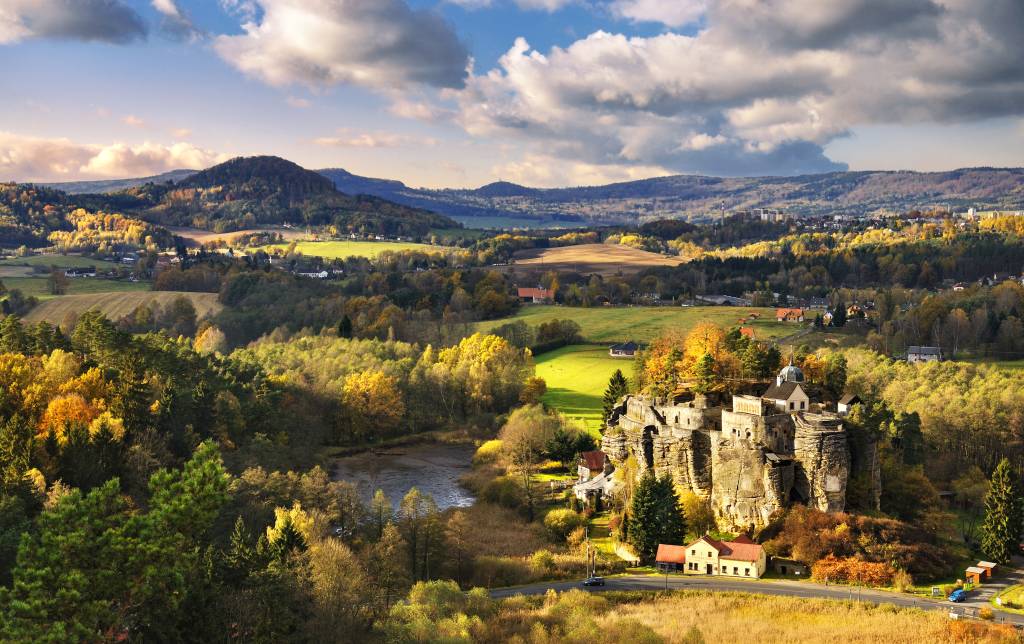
611,324
60,261
39,287
343,249
576,377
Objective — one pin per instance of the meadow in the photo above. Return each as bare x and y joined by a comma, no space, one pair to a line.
576,377
116,305
343,249
611,324
60,261
39,286
604,259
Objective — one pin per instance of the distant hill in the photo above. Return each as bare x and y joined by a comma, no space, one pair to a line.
251,192
115,185
697,197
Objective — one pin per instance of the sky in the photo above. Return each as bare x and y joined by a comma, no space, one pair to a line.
459,93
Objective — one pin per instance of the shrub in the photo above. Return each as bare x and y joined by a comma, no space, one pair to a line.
902,581
494,572
488,452
503,491
986,613
853,570
562,521
542,562
576,538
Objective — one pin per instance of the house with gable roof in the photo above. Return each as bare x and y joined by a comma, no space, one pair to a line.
738,558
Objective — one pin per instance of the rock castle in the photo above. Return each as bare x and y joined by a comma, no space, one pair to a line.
751,461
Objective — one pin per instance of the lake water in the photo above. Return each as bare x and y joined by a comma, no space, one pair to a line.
433,468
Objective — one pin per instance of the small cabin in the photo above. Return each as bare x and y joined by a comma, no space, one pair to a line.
974,574
988,567
624,350
847,402
535,295
923,354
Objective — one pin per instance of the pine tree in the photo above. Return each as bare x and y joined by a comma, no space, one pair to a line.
1000,533
12,336
345,327
655,516
617,388
704,373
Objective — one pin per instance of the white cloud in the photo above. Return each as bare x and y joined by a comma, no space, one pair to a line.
176,23
133,121
761,88
420,110
90,20
382,44
296,102
24,158
674,13
348,139
544,5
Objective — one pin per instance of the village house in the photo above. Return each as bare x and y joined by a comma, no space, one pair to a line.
789,315
706,556
595,482
923,354
535,295
88,271
786,393
624,350
846,403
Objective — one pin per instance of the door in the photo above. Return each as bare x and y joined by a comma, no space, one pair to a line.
709,569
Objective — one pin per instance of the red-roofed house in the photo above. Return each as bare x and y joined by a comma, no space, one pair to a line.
535,295
739,558
747,332
789,315
670,557
591,465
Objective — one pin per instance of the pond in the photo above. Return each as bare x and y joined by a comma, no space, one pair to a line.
433,468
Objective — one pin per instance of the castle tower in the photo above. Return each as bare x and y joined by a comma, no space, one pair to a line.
822,456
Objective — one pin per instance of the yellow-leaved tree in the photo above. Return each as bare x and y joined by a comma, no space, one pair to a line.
372,402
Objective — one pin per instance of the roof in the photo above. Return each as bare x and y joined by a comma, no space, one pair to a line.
742,549
743,539
976,570
625,346
986,564
747,332
671,554
541,293
593,460
781,392
785,313
926,351
849,399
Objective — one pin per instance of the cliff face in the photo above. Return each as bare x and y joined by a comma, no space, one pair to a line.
750,462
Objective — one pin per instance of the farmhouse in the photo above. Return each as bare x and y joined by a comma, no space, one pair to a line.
847,402
789,315
89,271
624,350
595,482
739,558
535,295
923,354
670,558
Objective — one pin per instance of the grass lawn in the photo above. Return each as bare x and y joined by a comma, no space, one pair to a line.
342,249
577,377
1009,365
601,536
644,323
61,261
38,286
1014,595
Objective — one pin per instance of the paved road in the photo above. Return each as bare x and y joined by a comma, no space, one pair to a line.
779,588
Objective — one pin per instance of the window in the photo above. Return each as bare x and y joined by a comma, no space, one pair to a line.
792,405
803,404
735,570
747,572
693,552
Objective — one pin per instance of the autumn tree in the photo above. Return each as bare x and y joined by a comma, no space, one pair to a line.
373,403
1001,531
524,439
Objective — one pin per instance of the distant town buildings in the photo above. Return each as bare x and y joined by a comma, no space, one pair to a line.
923,354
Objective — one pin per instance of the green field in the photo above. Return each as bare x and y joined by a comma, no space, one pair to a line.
577,376
343,249
61,261
38,286
644,323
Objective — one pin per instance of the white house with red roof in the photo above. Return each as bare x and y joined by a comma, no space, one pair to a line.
738,558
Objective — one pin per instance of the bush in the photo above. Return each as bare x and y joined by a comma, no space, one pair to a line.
986,613
503,491
853,570
488,452
494,572
562,521
902,581
542,562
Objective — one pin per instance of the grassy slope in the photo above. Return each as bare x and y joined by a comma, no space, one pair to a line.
116,305
577,377
342,249
62,261
39,287
644,323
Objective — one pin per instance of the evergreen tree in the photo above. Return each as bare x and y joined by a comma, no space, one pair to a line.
835,375
704,373
1001,531
839,314
345,327
655,516
12,336
617,388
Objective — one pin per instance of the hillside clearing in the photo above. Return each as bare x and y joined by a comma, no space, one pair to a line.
605,259
117,305
576,377
343,249
644,323
60,261
39,287
200,237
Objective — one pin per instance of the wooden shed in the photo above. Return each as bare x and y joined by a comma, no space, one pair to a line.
975,574
988,567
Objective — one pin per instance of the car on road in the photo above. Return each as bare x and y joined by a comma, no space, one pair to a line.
593,581
958,595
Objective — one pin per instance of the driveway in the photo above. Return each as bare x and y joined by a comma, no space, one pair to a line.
777,588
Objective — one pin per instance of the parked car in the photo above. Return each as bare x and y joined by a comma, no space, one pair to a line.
593,581
958,595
